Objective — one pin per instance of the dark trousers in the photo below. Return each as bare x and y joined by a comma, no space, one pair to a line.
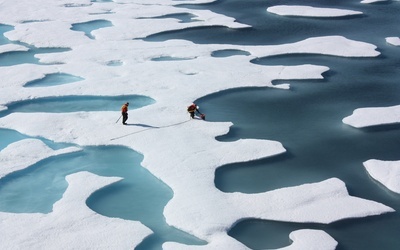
124,117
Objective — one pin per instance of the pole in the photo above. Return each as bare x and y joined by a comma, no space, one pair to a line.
118,119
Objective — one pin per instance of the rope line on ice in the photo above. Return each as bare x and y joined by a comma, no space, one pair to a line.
175,124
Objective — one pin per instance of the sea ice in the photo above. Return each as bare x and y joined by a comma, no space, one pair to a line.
385,172
365,117
28,152
373,1
71,224
393,41
308,11
181,152
11,48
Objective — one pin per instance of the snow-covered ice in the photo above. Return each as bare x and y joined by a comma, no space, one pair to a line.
385,172
12,47
374,116
171,146
308,11
373,1
28,152
393,41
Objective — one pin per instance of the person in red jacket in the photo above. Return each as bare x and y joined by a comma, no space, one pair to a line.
124,111
192,109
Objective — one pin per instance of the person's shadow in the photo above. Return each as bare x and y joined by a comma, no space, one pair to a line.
140,125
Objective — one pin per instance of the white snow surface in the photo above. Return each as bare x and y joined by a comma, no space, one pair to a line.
28,152
12,47
373,116
308,11
393,41
182,153
373,1
385,172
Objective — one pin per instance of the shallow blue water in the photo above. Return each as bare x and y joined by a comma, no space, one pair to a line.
88,27
3,29
139,196
66,104
53,80
19,57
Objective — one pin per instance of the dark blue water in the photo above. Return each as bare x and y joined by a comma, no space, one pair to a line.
183,17
307,119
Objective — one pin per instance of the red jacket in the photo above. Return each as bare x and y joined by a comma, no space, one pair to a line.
124,108
192,108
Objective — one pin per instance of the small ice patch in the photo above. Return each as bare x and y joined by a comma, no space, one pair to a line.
385,172
308,11
365,117
393,41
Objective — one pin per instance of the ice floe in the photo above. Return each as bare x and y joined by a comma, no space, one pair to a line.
312,239
373,116
385,172
308,11
393,41
181,152
373,1
12,47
